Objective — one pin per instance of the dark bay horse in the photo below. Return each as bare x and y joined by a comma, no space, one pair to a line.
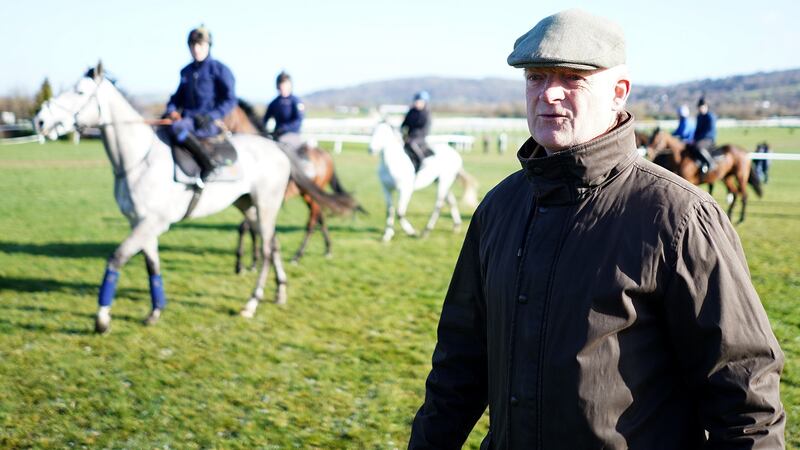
734,165
244,120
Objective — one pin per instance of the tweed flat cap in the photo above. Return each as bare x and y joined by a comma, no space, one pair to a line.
572,38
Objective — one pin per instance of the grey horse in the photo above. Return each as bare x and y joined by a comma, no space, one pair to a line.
150,198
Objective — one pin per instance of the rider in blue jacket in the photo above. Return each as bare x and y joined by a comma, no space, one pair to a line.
705,135
286,109
685,130
206,94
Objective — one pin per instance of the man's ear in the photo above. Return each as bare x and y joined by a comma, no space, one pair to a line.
622,88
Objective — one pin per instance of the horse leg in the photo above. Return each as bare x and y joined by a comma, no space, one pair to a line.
157,298
244,227
313,210
134,243
253,246
403,199
742,181
280,274
388,232
437,208
731,194
267,215
451,200
325,235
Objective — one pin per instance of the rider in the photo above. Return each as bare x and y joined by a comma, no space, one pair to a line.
685,130
205,95
416,126
287,111
705,134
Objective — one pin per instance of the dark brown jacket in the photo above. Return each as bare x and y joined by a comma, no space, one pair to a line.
599,301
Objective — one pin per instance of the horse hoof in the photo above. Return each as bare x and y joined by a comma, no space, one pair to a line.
456,228
425,233
328,255
249,309
295,261
153,317
281,295
102,326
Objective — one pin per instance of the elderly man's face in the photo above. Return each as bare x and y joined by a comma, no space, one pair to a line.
568,107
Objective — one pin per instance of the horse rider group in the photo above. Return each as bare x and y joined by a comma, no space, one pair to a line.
206,94
700,136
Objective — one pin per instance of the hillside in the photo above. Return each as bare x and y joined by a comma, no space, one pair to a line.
742,96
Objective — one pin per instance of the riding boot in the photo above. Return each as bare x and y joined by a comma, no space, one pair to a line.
414,157
200,154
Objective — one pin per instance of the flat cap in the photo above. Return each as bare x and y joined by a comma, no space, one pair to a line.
572,38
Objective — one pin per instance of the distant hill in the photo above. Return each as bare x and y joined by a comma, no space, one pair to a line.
743,96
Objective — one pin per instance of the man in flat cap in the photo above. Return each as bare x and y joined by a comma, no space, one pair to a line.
599,301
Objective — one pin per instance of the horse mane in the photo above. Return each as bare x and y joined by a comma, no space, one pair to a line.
251,115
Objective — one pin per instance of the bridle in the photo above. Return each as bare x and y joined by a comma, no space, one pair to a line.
118,172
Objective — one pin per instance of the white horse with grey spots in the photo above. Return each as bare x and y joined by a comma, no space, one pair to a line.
396,172
150,198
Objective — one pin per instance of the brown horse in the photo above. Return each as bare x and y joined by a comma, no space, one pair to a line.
733,164
243,120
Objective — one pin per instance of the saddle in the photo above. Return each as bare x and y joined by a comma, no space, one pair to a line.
220,152
412,155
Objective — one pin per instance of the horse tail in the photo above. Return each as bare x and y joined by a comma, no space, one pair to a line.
470,185
337,187
336,202
251,115
755,181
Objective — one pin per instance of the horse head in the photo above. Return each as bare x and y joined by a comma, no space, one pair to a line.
72,110
383,135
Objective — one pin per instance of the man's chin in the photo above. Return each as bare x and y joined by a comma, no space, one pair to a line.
552,140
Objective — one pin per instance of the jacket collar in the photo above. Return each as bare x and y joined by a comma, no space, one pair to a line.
572,174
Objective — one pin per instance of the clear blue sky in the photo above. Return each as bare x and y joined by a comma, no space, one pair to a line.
339,43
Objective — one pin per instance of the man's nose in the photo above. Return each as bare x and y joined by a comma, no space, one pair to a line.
552,90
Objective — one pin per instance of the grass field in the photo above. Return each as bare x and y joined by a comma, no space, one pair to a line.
341,366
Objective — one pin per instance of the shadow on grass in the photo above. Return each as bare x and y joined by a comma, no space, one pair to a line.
61,249
66,287
100,250
41,328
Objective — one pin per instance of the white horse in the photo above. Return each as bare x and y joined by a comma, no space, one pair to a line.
396,172
151,200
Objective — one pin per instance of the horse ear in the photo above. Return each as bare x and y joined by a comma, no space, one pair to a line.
98,72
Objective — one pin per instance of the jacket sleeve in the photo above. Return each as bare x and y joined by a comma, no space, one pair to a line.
176,101
225,95
721,335
297,118
456,392
269,114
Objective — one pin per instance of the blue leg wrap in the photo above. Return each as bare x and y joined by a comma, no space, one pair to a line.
157,296
108,288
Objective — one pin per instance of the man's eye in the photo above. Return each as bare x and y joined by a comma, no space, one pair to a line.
573,77
535,77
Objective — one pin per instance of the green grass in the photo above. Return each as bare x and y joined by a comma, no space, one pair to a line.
341,366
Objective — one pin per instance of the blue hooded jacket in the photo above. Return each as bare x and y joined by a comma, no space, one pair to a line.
288,114
207,87
706,127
